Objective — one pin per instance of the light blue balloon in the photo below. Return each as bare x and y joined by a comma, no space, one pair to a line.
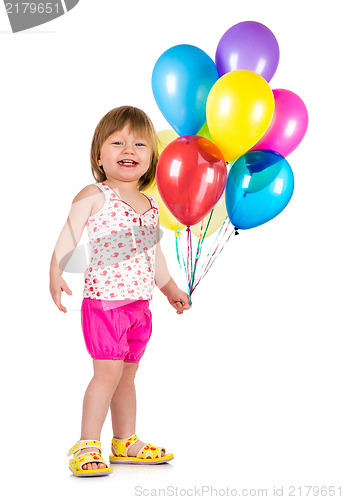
181,81
259,186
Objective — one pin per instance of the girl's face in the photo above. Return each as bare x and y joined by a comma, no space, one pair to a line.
125,156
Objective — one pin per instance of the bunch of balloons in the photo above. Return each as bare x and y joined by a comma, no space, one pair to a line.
228,118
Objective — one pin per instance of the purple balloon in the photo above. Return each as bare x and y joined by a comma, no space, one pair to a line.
248,45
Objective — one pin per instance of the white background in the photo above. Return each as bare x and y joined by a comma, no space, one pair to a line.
246,388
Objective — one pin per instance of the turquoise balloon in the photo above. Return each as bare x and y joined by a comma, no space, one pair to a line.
181,81
259,186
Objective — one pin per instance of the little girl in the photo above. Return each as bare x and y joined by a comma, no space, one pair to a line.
126,263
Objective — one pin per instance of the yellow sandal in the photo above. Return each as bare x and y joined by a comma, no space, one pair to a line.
78,460
148,454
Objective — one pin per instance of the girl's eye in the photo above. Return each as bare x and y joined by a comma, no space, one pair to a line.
117,142
140,144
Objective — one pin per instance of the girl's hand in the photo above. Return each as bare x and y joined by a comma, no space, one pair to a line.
57,285
176,298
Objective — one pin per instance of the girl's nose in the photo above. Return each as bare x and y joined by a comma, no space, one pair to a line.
128,149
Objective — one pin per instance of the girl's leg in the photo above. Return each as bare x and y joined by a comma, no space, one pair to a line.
123,407
98,395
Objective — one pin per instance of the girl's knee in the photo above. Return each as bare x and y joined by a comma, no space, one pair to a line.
129,370
131,366
109,371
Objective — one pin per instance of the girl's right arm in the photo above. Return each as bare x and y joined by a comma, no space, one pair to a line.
68,240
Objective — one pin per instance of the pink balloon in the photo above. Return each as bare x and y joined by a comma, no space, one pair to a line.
289,124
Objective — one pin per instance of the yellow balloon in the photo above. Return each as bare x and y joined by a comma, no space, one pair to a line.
239,110
219,215
166,219
165,137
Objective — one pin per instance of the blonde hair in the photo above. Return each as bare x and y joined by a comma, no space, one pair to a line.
117,119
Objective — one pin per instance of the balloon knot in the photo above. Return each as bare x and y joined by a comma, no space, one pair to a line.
236,231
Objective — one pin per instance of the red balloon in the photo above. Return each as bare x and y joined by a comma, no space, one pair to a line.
191,176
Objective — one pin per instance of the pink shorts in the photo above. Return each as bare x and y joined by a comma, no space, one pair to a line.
116,332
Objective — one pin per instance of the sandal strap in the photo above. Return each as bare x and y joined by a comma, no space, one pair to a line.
121,446
149,451
86,458
85,444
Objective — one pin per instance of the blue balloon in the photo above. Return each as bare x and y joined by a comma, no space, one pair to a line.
181,81
259,186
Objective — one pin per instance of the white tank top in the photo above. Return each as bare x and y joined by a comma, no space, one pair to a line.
123,249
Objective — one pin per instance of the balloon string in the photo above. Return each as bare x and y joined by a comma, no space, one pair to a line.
220,230
189,258
211,264
191,255
208,265
184,264
191,264
189,261
177,250
188,278
214,254
198,255
198,250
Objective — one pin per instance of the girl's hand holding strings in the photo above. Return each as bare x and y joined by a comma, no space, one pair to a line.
57,285
179,300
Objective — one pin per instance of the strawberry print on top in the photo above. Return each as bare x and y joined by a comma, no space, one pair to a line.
123,249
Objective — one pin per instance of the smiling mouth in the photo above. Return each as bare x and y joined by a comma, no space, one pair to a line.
128,163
